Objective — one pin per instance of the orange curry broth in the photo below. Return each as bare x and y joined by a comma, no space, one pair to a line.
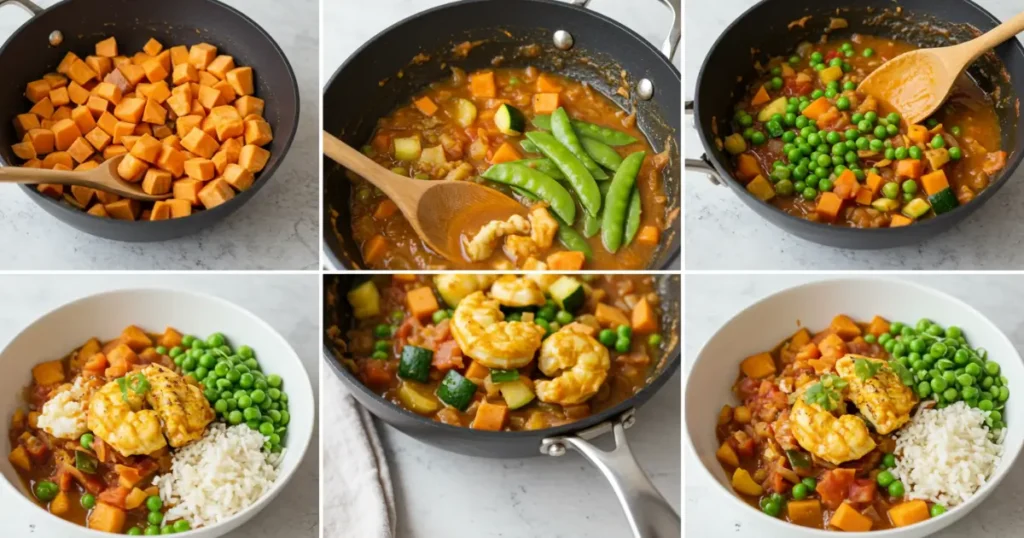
968,108
629,371
476,145
53,459
761,441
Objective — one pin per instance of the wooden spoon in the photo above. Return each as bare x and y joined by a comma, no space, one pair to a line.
440,212
104,177
916,83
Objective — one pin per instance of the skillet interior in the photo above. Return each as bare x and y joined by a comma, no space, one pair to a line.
519,444
381,76
28,55
763,32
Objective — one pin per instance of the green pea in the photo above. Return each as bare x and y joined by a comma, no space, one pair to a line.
181,526
267,428
152,530
563,317
258,396
889,459
992,368
382,331
955,153
890,190
246,380
155,518
986,405
937,510
939,384
622,344
439,316
885,479
275,394
772,508
154,504
951,395
134,531
896,489
924,388
938,142
1004,393
607,337
914,152
970,393
215,340
274,380
973,369
800,491
187,340
87,501
654,340
246,352
252,413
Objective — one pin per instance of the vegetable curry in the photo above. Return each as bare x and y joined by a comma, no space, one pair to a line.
506,352
808,142
543,139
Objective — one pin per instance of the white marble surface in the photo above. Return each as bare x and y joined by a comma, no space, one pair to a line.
277,229
719,297
723,233
289,303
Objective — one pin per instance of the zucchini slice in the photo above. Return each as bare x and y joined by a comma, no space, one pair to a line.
418,398
943,201
415,363
516,394
568,294
916,208
465,112
456,391
504,376
365,300
885,204
407,149
510,120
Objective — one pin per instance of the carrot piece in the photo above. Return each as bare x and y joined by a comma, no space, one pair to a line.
874,183
490,417
482,84
505,153
761,97
758,366
878,326
934,182
648,235
817,108
911,168
747,167
864,196
806,513
426,105
900,220
610,316
908,513
844,327
421,302
374,249
386,209
828,206
107,518
570,260
644,319
545,103
846,185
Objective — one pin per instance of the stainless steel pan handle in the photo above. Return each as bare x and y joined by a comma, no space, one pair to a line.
703,164
668,48
32,8
648,513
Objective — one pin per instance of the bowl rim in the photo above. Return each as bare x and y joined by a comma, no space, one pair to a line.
246,513
931,525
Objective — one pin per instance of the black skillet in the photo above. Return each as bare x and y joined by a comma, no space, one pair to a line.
380,76
30,53
649,515
763,32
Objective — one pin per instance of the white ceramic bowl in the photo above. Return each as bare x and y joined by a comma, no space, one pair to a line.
768,322
104,316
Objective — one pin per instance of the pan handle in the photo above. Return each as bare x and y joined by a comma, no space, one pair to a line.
31,7
702,164
668,48
648,513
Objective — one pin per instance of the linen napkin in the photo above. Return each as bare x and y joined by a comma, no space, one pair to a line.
358,498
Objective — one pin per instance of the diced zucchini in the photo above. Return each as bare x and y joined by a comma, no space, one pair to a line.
510,120
465,112
777,106
418,398
916,208
455,287
568,294
885,204
415,363
365,300
456,391
735,144
434,156
504,376
943,201
516,393
407,149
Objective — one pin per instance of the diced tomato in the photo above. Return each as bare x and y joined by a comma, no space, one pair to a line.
748,387
834,486
779,484
863,490
830,55
442,332
410,325
376,373
448,356
796,88
36,448
114,496
743,444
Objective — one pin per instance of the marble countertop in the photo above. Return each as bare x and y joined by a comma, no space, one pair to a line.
719,297
721,232
287,302
277,229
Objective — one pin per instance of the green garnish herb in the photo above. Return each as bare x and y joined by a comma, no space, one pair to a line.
137,383
827,393
865,369
904,373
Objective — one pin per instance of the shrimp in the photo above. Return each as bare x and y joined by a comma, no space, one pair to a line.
181,405
481,332
117,417
577,363
542,226
514,291
519,248
483,243
835,440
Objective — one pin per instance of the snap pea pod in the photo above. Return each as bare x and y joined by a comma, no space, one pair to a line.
632,217
572,240
575,173
592,223
561,127
524,193
616,203
589,130
528,146
543,165
602,153
536,183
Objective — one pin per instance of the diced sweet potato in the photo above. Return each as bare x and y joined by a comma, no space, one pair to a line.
156,181
878,326
130,110
844,327
84,119
200,143
37,90
24,151
59,97
482,84
19,458
644,319
421,302
201,169
248,105
107,518
220,66
187,189
240,178
152,47
258,132
179,208
241,80
98,138
545,103
215,193
48,373
758,366
23,123
569,260
80,150
609,316
490,417
107,48
65,133
847,518
201,55
146,148
59,158
828,206
123,209
253,158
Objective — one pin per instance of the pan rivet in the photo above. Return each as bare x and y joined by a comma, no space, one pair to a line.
556,450
645,89
56,38
563,40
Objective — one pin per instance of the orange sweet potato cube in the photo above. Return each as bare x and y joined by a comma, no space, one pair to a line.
238,177
220,66
52,190
143,129
173,141
156,181
98,211
208,97
82,195
97,105
184,73
59,97
78,94
172,160
131,169
155,70
56,80
109,91
80,150
197,107
81,73
152,47
206,79
241,80
61,113
146,148
161,211
828,206
201,169
179,55
188,189
125,209
82,117
247,105
130,110
179,208
98,138
133,74
200,143
115,150
159,92
253,158
43,140
122,129
107,48
65,133
228,128
102,66
129,142
43,108
220,161
186,124
87,165
65,65
180,104
215,193
37,90
107,122
154,113
201,55
23,123
258,133
24,151
161,131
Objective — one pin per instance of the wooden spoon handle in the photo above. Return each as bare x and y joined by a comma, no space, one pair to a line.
996,36
395,188
15,174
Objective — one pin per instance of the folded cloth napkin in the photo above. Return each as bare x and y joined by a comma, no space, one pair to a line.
358,500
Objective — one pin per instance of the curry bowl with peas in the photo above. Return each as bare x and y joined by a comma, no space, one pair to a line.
805,147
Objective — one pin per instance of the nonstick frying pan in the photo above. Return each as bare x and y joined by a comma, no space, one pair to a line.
763,32
30,53
380,76
649,515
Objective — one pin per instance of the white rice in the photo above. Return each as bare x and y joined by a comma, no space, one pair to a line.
218,476
64,415
945,455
